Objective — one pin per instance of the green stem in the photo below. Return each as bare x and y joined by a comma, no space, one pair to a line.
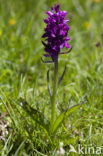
53,98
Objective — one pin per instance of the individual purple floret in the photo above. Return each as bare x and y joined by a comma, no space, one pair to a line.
56,32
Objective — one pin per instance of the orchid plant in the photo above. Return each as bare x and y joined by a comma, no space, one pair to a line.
56,36
55,39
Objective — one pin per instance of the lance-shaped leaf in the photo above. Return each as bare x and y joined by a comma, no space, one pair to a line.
67,51
62,75
46,61
62,117
50,92
35,114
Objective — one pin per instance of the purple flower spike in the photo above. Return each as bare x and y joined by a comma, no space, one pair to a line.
56,32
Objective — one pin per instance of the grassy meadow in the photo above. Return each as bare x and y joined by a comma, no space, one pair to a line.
24,76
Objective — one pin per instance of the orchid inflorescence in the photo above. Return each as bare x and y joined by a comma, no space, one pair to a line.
56,33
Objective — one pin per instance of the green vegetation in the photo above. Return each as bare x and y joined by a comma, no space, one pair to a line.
23,78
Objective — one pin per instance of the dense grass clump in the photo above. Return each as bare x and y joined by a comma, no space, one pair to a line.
23,78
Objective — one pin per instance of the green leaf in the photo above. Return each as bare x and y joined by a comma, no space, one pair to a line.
50,92
72,109
62,116
35,114
62,75
58,122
